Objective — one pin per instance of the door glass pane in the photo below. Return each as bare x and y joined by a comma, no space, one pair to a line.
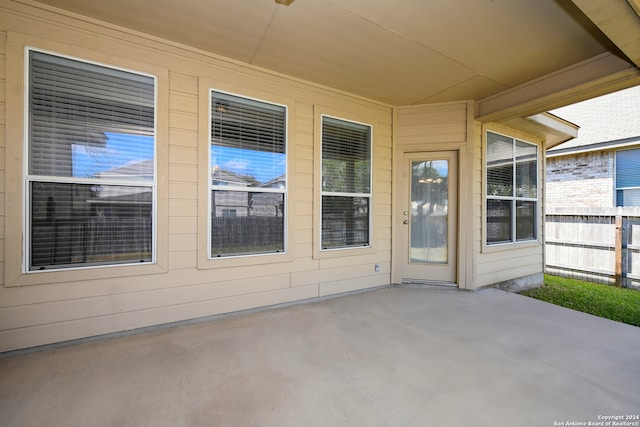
429,211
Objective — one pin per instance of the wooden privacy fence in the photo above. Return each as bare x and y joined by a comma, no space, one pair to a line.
91,240
246,234
600,245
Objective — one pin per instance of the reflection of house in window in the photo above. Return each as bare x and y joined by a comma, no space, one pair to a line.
222,177
86,203
128,199
142,169
271,203
86,223
248,185
243,203
278,182
225,202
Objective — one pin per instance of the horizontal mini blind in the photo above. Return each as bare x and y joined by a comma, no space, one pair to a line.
628,168
248,176
73,102
511,190
526,170
628,177
346,184
345,222
499,165
346,156
247,124
91,167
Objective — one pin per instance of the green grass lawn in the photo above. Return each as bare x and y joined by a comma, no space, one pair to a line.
610,302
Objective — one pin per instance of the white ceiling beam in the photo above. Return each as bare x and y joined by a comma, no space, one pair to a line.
596,76
619,20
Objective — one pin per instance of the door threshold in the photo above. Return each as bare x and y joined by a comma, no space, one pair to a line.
423,282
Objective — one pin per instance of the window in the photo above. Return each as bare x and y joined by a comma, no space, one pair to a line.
627,177
248,176
512,190
90,173
346,183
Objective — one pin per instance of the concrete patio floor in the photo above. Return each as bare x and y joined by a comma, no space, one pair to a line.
391,357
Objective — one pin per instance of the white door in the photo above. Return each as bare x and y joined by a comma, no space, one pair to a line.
429,212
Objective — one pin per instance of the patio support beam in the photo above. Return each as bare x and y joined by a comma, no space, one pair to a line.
596,76
619,20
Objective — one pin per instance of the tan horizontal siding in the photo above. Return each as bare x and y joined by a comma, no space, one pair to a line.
90,304
431,124
179,155
499,263
183,138
60,311
340,286
504,274
91,326
183,102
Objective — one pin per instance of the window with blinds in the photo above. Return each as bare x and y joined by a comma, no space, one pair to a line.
627,177
90,178
248,176
511,190
346,184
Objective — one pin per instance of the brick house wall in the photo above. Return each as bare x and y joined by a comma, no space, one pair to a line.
582,180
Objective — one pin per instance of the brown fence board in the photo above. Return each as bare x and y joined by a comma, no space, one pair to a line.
600,245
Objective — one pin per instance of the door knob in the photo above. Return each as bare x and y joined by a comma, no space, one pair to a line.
405,221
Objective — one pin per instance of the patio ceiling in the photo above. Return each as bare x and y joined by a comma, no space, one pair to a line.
398,52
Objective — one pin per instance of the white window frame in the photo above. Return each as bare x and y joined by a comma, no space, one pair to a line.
514,198
212,187
27,178
615,178
368,195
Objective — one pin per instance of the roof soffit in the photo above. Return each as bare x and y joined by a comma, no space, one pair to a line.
399,52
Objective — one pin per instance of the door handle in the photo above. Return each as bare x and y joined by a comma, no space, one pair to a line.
405,221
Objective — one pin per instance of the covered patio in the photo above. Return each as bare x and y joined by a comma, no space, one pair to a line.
393,356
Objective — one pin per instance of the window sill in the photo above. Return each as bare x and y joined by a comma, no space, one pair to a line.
205,263
500,247
342,252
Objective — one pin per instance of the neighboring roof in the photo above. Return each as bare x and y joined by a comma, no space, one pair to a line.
399,52
221,176
275,182
134,169
605,122
144,168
